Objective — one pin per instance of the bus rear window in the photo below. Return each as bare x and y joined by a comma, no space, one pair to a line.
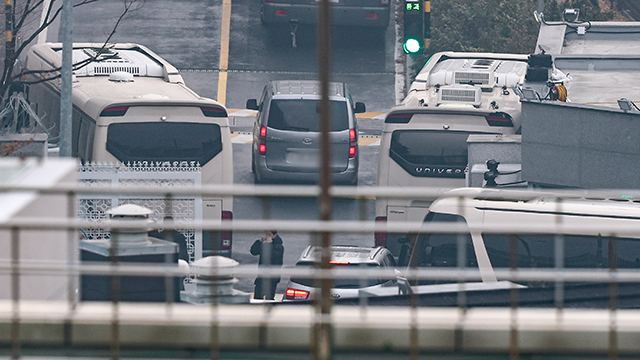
164,141
430,153
303,115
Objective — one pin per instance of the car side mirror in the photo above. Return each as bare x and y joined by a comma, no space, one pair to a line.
252,104
360,108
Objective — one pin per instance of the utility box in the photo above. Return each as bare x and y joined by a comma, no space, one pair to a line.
130,245
505,149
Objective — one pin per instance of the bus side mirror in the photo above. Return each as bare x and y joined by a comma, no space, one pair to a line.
252,104
360,108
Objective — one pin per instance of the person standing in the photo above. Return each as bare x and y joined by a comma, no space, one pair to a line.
271,251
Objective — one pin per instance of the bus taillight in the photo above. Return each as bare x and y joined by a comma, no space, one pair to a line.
381,237
499,119
115,111
226,235
211,111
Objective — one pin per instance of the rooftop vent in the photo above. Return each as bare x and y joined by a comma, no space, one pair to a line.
111,61
482,78
121,76
460,94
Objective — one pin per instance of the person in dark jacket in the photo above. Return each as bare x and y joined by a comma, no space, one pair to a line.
271,251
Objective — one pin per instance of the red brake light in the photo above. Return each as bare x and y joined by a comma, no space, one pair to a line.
262,141
115,111
381,237
226,235
353,143
499,119
212,111
398,118
282,12
339,262
371,15
293,294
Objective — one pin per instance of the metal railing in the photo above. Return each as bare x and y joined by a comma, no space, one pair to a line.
408,325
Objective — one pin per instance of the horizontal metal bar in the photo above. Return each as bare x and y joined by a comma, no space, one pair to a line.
378,329
334,226
27,267
354,192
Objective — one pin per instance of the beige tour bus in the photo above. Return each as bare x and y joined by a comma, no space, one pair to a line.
132,107
596,232
424,139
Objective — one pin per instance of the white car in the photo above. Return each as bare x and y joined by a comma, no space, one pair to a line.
301,288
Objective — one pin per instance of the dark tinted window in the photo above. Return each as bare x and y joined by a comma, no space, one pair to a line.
162,141
441,250
342,283
580,251
430,153
303,115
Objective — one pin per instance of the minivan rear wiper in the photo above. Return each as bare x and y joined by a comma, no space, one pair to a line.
296,128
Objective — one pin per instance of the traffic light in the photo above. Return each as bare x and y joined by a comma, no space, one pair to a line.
413,26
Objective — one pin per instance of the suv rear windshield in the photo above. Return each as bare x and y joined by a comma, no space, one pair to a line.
164,141
303,115
342,283
430,153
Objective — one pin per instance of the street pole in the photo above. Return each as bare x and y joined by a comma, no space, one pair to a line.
66,31
540,6
9,46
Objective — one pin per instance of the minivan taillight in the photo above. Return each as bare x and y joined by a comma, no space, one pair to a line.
381,237
226,235
293,294
353,143
262,141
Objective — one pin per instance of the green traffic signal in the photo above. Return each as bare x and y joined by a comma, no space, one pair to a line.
411,46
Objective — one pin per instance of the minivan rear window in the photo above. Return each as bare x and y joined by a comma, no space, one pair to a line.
164,141
303,115
430,153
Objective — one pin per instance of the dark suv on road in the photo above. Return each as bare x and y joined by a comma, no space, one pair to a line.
286,134
369,13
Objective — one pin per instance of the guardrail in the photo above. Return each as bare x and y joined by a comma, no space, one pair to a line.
414,325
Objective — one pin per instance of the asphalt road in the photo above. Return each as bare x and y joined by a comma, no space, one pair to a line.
187,34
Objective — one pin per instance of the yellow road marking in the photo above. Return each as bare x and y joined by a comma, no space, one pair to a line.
367,141
224,51
368,115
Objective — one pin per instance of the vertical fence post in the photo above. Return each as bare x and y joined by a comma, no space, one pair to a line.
15,293
322,336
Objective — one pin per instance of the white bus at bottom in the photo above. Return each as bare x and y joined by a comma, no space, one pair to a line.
131,106
424,139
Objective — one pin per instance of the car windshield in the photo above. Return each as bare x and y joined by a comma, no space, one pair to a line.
342,283
303,115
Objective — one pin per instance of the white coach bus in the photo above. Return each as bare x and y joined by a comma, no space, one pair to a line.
424,139
131,106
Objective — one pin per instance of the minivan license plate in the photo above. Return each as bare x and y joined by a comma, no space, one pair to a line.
299,157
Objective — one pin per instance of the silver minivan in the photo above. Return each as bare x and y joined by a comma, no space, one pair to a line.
286,133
